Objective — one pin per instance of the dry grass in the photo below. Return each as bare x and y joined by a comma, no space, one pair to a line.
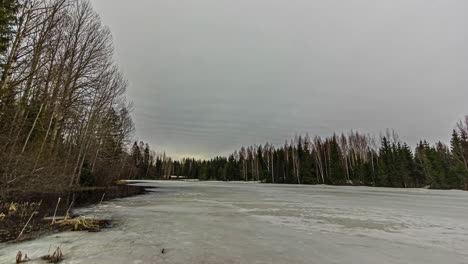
81,223
17,209
17,219
20,258
121,182
54,258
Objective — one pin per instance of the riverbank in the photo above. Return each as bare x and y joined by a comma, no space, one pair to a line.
25,212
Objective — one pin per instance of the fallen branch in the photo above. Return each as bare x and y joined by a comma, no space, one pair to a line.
21,234
55,213
102,199
67,215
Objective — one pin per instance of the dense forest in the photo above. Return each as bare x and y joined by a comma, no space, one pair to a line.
64,119
352,159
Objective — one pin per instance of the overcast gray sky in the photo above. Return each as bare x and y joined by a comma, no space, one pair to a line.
207,76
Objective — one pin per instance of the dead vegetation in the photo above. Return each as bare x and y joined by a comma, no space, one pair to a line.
81,223
121,182
17,209
26,225
16,219
19,221
20,258
56,257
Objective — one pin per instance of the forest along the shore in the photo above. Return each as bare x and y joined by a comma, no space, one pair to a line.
64,120
346,159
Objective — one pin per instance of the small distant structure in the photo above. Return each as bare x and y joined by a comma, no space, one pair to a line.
178,177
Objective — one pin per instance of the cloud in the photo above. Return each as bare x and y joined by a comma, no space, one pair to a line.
209,76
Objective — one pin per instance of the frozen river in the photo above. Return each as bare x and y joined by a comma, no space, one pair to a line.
213,222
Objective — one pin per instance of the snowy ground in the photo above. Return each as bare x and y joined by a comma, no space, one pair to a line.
214,222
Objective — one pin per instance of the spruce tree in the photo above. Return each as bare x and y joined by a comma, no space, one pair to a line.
384,164
337,169
458,171
307,164
7,21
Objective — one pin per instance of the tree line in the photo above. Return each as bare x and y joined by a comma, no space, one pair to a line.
346,159
65,122
64,119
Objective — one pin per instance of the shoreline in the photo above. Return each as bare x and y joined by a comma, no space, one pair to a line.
39,208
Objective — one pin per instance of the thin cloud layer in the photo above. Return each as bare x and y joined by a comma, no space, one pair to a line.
209,76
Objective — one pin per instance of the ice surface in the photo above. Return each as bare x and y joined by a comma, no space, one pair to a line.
215,222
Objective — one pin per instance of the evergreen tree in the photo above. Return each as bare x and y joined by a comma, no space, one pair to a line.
385,163
136,155
405,166
337,173
458,171
7,21
307,163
